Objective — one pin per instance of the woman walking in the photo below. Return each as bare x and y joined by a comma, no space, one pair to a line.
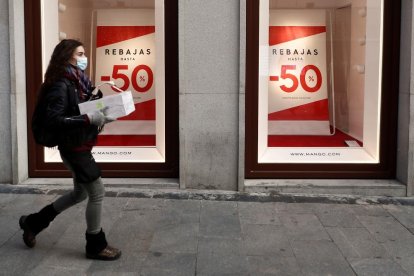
65,86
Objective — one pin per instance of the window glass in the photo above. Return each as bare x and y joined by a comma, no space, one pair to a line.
319,86
124,41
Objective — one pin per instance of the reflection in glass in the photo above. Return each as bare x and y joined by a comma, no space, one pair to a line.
125,45
320,88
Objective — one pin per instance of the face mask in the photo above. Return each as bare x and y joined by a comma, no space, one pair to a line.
82,62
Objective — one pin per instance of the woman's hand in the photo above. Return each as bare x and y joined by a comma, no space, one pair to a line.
99,117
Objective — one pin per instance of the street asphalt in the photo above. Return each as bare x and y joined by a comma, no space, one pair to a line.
164,236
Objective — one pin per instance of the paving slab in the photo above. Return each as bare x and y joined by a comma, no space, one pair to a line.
217,245
404,214
357,243
258,213
130,263
385,228
375,267
369,210
26,204
132,232
180,212
55,270
320,258
17,259
145,206
263,240
331,215
67,232
220,256
111,211
112,273
295,208
273,265
160,236
407,263
219,219
7,199
395,238
213,265
128,235
176,238
9,227
303,227
67,258
159,264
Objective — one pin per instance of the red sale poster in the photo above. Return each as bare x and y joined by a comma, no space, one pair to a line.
125,54
298,96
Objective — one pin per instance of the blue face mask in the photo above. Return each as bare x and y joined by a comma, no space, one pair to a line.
82,63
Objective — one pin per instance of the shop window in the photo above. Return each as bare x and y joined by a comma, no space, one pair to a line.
132,44
321,88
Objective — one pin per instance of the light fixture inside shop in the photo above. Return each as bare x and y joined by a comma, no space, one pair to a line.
362,12
360,68
62,35
62,7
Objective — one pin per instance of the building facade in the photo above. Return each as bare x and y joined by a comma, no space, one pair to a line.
239,95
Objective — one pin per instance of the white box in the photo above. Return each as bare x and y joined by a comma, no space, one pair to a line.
119,105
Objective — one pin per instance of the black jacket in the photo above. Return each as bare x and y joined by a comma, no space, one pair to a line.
63,115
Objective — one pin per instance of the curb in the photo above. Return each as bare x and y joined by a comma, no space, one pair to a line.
214,195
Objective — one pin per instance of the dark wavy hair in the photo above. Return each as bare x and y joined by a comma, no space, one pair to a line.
60,60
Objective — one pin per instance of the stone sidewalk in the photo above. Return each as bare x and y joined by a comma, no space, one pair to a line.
207,237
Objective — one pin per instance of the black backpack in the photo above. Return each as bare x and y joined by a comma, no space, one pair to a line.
67,138
42,134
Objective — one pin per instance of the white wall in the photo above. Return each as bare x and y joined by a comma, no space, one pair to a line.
5,133
356,95
405,150
341,56
209,93
18,109
76,21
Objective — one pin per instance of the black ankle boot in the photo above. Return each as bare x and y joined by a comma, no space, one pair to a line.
33,224
97,248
